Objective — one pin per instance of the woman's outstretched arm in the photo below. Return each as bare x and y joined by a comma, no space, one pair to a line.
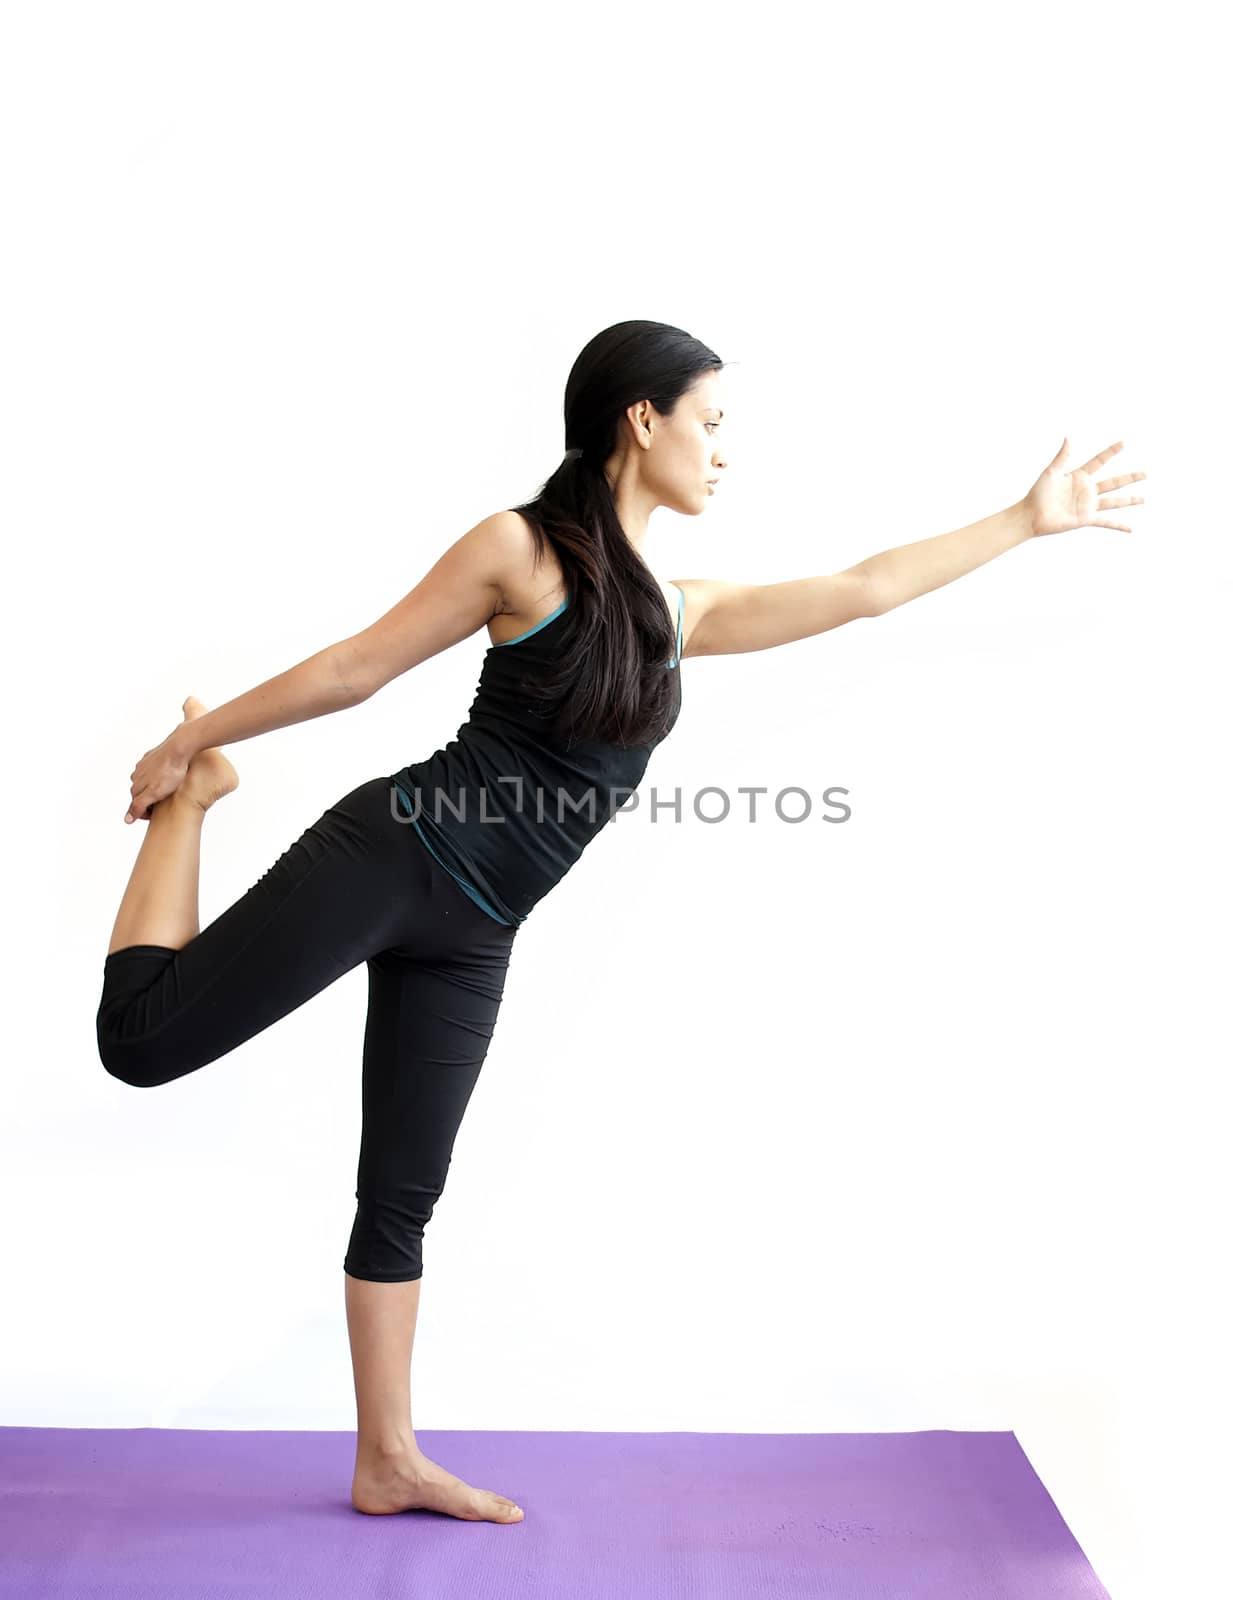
734,617
910,570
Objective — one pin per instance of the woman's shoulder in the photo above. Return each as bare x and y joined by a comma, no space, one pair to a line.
530,577
512,530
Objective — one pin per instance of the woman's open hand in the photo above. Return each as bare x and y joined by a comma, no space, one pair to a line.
160,772
1060,500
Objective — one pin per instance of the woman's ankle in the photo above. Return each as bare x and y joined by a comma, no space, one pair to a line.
395,1445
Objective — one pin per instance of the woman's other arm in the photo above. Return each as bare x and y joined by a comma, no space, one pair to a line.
456,597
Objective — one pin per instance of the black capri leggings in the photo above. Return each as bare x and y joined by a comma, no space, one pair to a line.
358,885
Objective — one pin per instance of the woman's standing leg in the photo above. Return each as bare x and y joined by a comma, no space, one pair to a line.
432,1009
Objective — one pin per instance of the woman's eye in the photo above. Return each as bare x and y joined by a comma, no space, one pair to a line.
712,424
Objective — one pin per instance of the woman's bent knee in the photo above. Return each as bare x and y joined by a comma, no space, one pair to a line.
123,1020
127,1065
132,1061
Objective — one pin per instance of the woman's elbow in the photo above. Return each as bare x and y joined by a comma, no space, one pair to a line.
356,672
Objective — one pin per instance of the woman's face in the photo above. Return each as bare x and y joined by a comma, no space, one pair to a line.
676,457
692,460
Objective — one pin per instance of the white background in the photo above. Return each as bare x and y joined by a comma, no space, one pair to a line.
913,1122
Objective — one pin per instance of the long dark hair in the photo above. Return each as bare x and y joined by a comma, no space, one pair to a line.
617,635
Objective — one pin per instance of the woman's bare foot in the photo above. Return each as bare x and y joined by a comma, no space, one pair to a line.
210,775
414,1483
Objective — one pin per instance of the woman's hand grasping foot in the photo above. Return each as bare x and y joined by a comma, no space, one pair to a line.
165,770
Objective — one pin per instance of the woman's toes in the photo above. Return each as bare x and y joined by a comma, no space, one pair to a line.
495,1507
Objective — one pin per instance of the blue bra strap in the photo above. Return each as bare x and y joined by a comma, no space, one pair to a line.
680,622
551,617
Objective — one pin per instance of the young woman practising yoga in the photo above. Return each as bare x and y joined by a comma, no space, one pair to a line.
427,873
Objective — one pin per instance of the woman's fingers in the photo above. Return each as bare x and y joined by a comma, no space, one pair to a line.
1107,484
1103,456
159,773
138,806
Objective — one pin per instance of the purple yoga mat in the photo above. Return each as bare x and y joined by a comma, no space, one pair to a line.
188,1514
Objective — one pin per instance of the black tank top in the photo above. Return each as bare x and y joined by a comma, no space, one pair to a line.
505,806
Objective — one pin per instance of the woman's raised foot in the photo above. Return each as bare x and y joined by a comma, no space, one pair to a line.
210,775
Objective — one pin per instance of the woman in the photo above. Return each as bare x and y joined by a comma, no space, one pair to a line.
426,874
